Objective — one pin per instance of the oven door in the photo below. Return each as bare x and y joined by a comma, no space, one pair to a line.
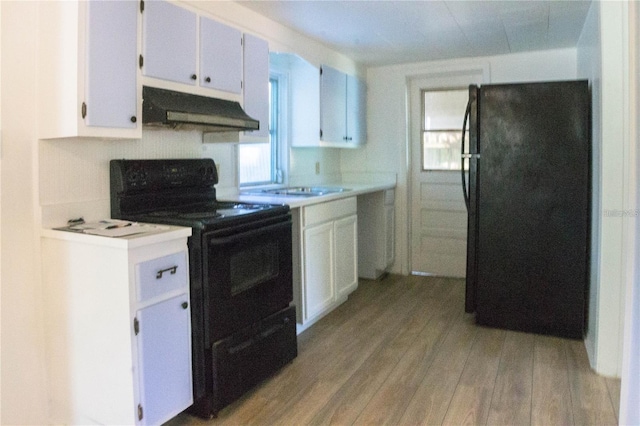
249,275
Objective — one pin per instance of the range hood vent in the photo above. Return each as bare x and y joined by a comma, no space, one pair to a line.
175,109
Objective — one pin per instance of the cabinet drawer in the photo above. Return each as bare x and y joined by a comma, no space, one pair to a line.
158,276
323,212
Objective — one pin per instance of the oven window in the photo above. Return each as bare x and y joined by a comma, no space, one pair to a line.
253,266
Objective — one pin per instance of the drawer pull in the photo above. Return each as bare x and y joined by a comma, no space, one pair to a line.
161,272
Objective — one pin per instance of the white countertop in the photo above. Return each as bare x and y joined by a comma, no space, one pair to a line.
152,235
294,201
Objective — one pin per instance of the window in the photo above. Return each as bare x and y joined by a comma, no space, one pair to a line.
443,115
260,163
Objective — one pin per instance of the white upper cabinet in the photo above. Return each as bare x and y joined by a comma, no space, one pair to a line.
333,105
303,95
220,56
89,70
111,66
304,99
342,109
169,42
256,85
356,111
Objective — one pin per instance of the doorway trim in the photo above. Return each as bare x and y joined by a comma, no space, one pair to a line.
435,78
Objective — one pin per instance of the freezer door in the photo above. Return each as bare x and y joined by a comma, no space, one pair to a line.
534,204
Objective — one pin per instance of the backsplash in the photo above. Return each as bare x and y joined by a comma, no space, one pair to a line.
74,174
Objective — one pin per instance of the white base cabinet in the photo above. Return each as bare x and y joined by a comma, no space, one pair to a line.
118,334
376,233
329,254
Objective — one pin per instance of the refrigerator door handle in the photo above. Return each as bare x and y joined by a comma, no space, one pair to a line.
464,156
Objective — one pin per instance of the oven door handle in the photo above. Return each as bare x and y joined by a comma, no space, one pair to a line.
253,232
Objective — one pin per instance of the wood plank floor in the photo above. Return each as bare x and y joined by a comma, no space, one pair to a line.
402,351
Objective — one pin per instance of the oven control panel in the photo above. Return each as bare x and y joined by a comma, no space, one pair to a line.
158,175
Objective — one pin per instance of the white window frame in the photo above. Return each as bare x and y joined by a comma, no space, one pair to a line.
425,131
279,158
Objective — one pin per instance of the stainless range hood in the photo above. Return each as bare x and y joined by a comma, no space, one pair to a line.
176,109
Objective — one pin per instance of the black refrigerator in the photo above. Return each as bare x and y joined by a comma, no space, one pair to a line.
528,195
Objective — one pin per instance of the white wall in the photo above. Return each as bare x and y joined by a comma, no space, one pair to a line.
630,392
23,376
602,59
44,183
387,148
0,194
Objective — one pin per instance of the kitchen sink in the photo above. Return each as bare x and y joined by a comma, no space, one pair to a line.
299,191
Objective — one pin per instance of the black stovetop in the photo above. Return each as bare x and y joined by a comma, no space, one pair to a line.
177,192
212,214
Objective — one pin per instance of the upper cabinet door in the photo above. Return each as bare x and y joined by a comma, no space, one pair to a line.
332,105
88,74
220,56
111,82
356,110
256,82
169,42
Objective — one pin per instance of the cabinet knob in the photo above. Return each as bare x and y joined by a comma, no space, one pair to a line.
208,79
193,76
185,305
133,119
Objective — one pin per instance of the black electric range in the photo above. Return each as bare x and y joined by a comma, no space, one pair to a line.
242,320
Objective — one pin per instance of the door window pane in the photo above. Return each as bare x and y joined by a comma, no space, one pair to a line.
442,129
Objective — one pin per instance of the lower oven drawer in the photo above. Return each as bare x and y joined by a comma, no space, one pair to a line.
246,358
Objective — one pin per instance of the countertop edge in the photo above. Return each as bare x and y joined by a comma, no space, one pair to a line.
167,233
301,201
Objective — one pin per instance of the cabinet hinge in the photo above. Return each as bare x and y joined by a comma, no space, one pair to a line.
136,326
141,6
84,110
320,70
140,61
140,413
320,133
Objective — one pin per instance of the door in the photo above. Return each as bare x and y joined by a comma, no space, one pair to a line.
533,207
319,269
346,237
249,275
220,56
333,105
356,111
256,82
112,64
169,42
164,351
438,212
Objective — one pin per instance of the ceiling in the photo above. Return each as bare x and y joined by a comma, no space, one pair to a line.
382,32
